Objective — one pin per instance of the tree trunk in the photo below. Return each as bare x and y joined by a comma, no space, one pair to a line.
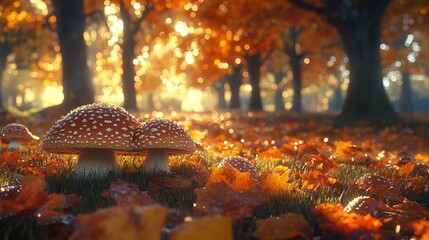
366,98
338,98
77,85
5,50
295,62
292,49
279,102
254,64
359,25
128,71
235,80
150,102
219,86
406,105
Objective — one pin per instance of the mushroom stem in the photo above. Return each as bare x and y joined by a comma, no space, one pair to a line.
98,161
14,145
156,160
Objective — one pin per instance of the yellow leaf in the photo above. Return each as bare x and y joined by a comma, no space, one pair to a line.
121,222
208,228
275,181
285,226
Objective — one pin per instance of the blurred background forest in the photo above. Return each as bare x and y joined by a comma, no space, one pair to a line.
356,58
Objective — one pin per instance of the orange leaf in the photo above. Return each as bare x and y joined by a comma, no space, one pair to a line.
334,223
276,181
420,229
218,198
285,226
407,169
168,184
30,197
236,172
125,193
272,153
121,222
208,228
11,159
314,179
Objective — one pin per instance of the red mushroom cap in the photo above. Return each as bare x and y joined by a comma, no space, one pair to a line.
17,132
92,126
163,134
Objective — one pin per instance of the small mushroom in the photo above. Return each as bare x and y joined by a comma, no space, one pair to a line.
364,205
160,138
95,131
15,135
241,164
374,183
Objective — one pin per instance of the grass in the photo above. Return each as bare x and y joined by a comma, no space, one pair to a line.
298,200
89,187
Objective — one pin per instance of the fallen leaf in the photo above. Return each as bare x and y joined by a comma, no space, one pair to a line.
315,179
219,198
275,181
284,226
30,197
207,228
162,184
121,222
125,193
334,223
420,229
236,172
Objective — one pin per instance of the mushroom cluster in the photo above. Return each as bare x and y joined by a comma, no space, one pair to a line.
15,135
96,131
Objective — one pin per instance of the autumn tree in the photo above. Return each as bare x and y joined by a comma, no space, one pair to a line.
405,29
70,26
246,40
359,25
20,26
139,18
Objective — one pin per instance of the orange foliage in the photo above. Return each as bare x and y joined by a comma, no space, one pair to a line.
420,229
166,184
207,228
337,224
11,159
32,199
232,177
276,181
315,179
285,226
125,193
121,222
218,198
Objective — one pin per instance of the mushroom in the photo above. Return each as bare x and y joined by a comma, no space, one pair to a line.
15,135
364,205
95,131
161,138
374,183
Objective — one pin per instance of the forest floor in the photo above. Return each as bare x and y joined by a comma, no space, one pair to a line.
307,179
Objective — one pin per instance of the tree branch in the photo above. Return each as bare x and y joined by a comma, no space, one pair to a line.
308,6
100,14
148,8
